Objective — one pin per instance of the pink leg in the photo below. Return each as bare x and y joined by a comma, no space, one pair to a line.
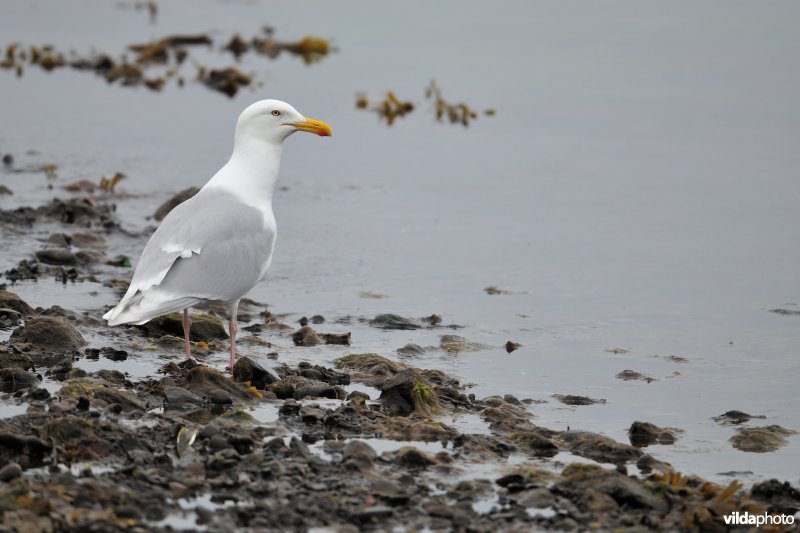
187,325
233,329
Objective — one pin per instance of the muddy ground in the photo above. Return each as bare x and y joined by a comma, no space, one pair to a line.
366,444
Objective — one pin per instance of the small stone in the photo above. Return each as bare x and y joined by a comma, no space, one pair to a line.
10,471
391,321
246,369
220,397
337,338
410,350
305,336
735,417
311,414
359,455
512,346
218,442
643,434
56,256
9,318
83,403
315,390
178,490
180,398
433,320
571,399
40,394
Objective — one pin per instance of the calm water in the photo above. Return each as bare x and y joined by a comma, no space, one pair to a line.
638,189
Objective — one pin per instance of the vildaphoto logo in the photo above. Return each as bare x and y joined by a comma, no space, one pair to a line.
764,519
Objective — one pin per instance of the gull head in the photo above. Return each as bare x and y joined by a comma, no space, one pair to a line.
273,121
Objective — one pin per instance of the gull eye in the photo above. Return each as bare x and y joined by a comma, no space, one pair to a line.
276,113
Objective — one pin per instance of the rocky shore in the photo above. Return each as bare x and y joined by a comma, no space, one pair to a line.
367,443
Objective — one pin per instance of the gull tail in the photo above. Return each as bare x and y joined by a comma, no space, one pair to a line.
141,307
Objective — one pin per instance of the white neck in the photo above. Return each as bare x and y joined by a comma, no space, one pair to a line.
251,172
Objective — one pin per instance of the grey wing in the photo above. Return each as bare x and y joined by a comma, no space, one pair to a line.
211,247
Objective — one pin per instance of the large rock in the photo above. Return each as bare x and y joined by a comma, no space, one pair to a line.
11,358
49,333
28,451
10,300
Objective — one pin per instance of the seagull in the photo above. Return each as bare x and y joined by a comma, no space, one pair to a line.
217,245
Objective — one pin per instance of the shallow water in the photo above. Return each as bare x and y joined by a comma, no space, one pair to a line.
637,189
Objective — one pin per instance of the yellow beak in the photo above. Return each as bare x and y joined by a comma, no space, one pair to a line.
314,126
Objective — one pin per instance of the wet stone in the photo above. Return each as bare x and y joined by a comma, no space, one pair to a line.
220,397
408,392
60,370
647,463
12,358
180,398
28,451
312,414
13,379
49,333
369,363
316,390
56,256
337,338
643,434
410,350
248,370
571,399
358,454
112,376
632,375
391,321
512,346
533,442
113,354
599,448
10,471
781,497
305,336
205,327
734,417
9,318
761,439
9,300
